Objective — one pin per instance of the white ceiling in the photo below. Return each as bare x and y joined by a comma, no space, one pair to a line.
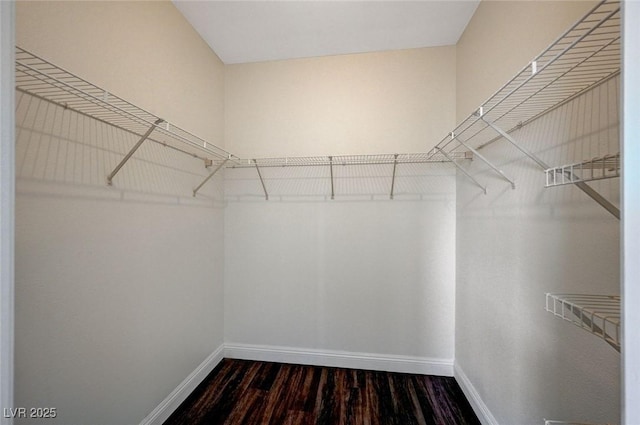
255,31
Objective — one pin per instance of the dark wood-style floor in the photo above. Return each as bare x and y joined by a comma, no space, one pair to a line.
258,393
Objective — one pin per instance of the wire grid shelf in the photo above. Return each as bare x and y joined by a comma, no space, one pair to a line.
42,79
583,57
598,314
600,168
326,161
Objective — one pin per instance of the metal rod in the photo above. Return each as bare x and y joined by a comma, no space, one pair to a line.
504,134
484,189
393,177
209,176
132,151
615,211
485,160
266,195
331,172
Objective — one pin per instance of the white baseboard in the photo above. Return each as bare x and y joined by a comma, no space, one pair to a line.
162,412
479,407
330,358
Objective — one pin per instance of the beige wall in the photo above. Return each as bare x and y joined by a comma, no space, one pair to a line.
513,246
119,290
144,52
501,39
400,101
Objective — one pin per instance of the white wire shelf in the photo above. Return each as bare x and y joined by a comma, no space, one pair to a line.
597,314
326,161
585,56
42,79
604,167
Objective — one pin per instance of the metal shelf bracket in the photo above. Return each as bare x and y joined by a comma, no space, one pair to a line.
331,173
510,139
209,176
592,193
132,151
484,189
393,176
264,188
485,160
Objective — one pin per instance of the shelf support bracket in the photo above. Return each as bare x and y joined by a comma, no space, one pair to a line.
484,189
209,176
264,188
485,160
393,176
132,151
331,173
592,193
510,139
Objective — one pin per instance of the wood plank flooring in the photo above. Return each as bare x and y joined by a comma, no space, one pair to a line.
260,393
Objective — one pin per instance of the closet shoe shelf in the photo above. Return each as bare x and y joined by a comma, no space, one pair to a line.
597,314
604,167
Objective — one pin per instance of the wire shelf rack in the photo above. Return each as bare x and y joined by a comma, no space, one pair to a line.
583,57
604,167
42,79
326,161
597,314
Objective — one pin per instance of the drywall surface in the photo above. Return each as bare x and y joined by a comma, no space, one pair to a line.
357,274
399,101
118,289
513,246
501,39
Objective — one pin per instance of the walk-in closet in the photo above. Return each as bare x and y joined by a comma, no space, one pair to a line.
320,212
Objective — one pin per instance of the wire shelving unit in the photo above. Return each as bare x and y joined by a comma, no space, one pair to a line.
597,314
604,167
42,79
586,55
